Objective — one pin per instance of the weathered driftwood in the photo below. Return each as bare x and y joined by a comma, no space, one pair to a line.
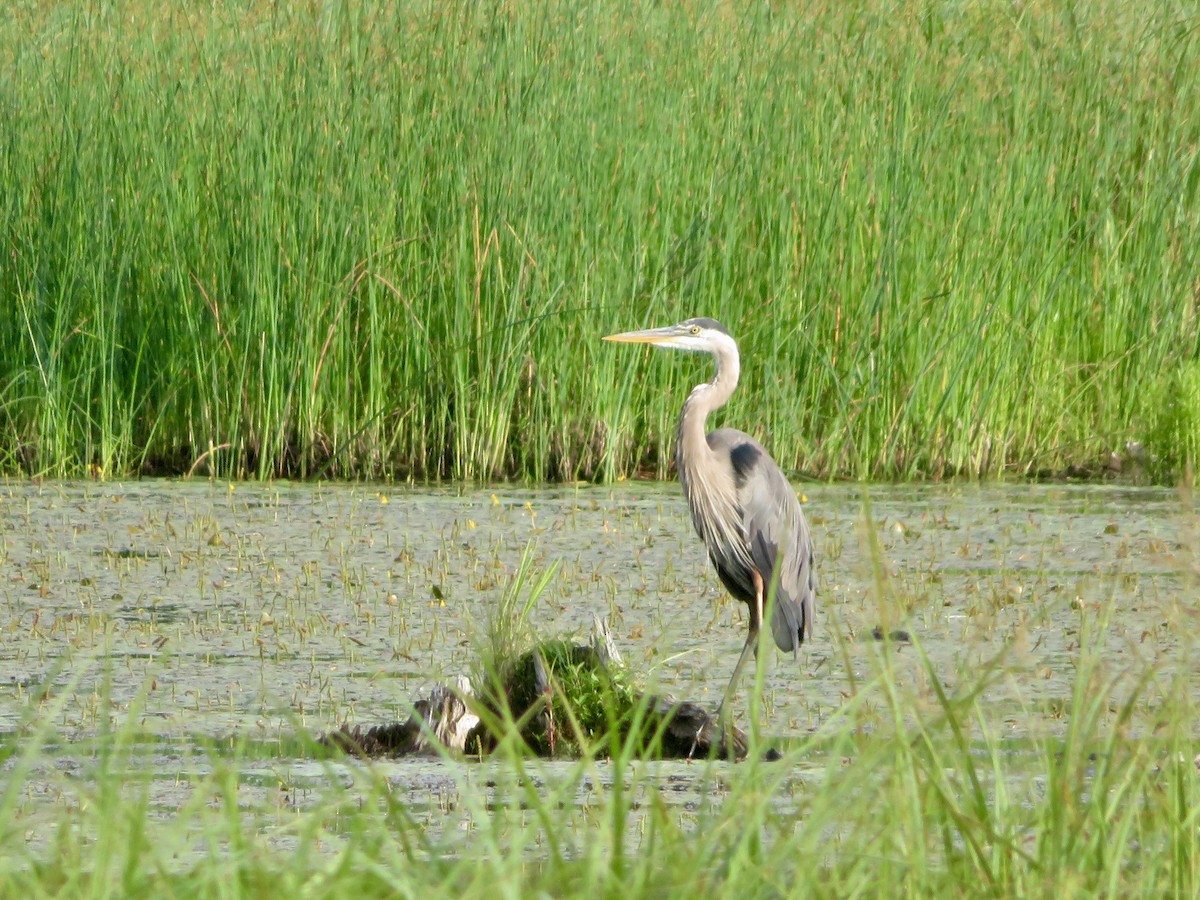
445,721
690,731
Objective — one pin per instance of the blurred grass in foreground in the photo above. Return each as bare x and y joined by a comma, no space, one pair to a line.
909,789
384,239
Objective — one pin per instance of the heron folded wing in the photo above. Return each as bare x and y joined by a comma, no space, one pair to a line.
781,547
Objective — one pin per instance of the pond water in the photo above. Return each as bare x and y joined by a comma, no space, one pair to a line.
243,613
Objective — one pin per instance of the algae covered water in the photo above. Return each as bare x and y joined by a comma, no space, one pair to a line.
240,615
252,608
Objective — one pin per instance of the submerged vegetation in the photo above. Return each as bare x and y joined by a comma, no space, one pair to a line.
365,239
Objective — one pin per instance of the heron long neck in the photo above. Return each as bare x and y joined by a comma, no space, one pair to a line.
691,445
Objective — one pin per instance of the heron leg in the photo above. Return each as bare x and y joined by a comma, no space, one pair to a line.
731,689
751,646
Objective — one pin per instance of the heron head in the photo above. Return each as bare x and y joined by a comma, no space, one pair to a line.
701,335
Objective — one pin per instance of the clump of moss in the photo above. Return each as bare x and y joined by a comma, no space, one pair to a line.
566,700
563,697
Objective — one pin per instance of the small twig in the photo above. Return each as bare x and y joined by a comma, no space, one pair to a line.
209,452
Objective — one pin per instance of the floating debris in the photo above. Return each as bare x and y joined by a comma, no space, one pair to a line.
565,699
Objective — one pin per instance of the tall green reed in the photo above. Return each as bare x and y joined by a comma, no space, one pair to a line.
356,239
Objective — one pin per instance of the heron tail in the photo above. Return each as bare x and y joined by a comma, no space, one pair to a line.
791,623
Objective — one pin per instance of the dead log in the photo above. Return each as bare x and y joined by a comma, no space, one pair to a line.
441,722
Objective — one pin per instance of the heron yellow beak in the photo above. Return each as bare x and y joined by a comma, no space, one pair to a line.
649,336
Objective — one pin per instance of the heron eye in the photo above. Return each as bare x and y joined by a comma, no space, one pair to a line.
695,329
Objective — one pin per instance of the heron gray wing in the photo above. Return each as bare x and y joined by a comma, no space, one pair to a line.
778,538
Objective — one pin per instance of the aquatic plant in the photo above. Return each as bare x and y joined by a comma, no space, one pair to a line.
371,240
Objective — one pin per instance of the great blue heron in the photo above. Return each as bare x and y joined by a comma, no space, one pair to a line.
742,504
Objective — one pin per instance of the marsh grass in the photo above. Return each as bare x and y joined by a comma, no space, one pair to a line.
384,239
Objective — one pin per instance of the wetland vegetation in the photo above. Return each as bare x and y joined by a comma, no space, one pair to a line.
383,239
